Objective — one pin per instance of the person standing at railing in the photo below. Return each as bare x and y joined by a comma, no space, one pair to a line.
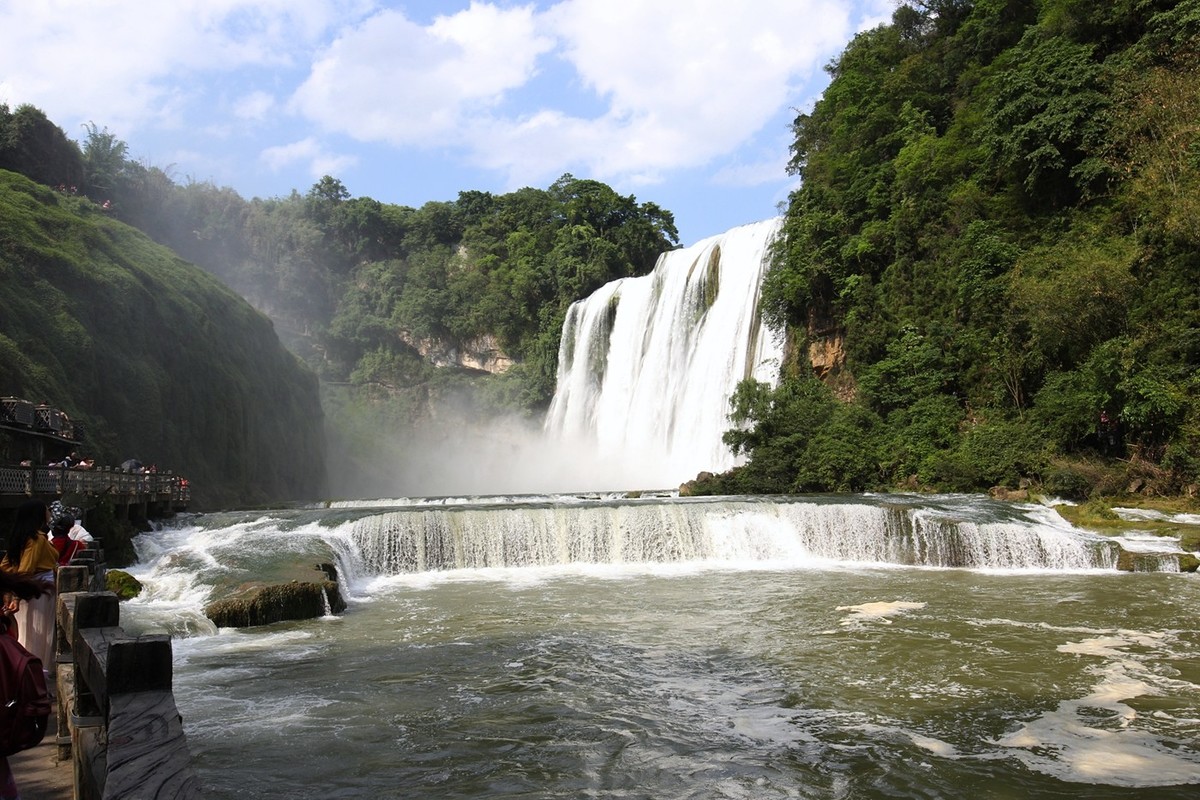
60,529
77,531
29,554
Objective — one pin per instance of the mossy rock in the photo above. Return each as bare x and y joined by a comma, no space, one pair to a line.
122,584
255,604
1153,562
1189,538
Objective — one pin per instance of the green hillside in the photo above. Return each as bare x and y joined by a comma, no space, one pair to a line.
991,273
154,356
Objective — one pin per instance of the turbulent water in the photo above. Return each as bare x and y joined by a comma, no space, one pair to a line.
567,647
646,365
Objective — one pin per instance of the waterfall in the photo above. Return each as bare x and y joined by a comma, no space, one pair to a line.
646,365
723,531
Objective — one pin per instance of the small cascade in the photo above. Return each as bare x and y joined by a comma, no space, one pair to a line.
647,365
726,531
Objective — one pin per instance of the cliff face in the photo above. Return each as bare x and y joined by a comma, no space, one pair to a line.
156,358
482,354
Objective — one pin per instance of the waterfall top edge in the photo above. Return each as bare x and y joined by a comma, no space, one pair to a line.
707,240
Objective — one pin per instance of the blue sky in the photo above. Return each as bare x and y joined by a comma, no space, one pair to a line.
685,103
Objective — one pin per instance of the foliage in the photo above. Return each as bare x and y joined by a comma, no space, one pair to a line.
157,359
998,216
37,148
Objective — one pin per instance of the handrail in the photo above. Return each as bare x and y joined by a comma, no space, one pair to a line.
94,482
126,736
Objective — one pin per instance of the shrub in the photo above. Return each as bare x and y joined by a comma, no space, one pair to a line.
1067,482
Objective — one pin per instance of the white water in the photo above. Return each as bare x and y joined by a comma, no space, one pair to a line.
766,648
647,365
721,532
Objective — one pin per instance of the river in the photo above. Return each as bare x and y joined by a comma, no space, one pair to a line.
567,647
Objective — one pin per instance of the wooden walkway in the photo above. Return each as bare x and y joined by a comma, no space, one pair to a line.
40,776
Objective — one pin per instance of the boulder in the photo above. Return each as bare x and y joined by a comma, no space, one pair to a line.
256,603
122,584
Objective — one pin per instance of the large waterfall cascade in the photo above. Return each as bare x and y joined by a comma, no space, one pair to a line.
647,365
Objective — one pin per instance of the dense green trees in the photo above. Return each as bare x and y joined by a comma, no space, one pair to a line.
997,222
34,146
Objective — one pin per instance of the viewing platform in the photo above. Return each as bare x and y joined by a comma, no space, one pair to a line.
33,435
115,732
135,494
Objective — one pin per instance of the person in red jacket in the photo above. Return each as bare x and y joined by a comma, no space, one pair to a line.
60,528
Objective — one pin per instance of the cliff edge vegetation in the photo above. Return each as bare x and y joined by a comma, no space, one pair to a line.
156,359
989,272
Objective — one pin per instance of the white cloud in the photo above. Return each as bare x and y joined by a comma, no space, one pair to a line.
392,80
254,106
676,86
309,152
627,91
132,63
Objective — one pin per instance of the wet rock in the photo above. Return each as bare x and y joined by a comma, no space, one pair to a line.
262,604
122,584
1154,562
689,489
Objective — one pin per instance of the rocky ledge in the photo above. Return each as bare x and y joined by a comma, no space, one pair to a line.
257,603
1156,562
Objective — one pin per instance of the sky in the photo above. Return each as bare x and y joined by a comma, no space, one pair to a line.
684,103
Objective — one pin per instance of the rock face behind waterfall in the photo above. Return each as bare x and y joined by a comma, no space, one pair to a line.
647,365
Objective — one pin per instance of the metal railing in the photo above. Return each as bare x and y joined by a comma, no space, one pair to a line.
95,482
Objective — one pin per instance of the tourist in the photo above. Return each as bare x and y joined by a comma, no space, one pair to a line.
60,529
14,589
30,555
78,533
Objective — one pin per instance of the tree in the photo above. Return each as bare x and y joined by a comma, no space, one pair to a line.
104,159
38,149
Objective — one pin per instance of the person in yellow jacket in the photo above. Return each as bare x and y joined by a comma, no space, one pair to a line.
29,554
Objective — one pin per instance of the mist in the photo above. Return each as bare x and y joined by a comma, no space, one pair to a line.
454,455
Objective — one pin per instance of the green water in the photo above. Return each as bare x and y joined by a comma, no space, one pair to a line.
675,681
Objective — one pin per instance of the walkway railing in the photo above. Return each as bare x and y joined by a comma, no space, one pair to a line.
106,481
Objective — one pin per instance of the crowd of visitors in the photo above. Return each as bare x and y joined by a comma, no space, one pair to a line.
71,461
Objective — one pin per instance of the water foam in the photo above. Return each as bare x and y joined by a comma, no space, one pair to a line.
1099,738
